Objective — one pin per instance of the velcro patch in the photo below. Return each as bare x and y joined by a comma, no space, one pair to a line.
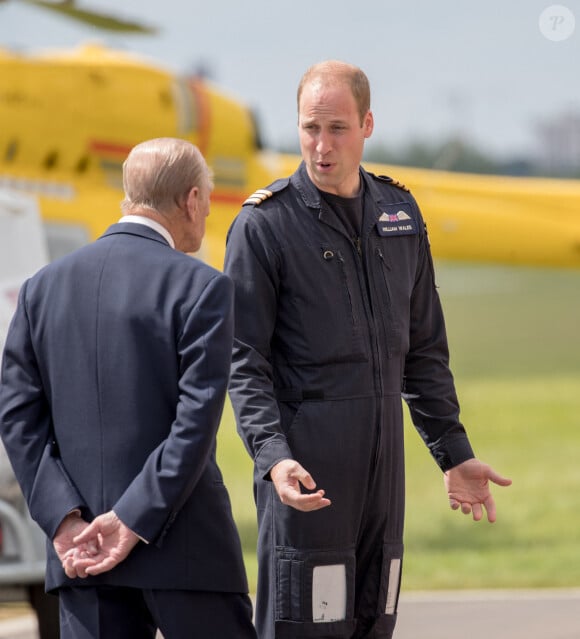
396,219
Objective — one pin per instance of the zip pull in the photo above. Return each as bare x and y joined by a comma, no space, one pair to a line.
383,260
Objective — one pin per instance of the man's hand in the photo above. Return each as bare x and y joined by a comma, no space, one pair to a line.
108,541
71,526
287,476
468,488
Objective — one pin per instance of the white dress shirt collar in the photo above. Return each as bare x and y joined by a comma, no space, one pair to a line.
152,224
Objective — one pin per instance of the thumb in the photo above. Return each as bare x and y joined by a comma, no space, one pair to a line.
498,479
304,477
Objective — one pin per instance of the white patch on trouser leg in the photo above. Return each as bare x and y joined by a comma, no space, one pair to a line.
329,593
393,587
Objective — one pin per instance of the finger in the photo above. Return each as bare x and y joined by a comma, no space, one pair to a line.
107,564
69,568
84,562
490,508
310,502
288,494
88,535
454,504
81,570
312,506
69,553
466,508
69,571
293,497
477,511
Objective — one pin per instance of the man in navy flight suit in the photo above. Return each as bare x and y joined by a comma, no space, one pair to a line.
336,317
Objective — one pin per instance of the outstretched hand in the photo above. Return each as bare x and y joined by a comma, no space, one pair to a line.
287,477
468,488
106,543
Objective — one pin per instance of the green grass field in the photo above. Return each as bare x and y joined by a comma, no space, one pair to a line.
514,336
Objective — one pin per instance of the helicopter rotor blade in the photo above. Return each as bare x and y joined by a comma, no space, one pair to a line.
100,20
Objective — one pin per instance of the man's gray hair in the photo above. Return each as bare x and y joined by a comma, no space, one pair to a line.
158,173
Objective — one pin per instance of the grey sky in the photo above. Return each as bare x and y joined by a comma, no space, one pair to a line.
483,69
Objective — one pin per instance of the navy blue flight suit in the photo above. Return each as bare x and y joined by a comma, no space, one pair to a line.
329,333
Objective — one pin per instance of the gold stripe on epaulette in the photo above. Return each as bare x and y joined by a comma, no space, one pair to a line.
400,185
391,181
258,197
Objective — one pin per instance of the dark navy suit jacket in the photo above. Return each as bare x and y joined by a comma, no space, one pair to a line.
113,381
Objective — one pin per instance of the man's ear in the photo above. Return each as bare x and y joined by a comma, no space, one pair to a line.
192,201
368,124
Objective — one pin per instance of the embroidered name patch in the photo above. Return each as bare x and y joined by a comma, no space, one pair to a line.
395,219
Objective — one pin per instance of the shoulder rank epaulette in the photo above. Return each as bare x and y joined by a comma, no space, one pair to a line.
261,195
392,182
258,197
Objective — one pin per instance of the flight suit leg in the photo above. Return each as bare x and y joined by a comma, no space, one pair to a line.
303,591
380,549
336,571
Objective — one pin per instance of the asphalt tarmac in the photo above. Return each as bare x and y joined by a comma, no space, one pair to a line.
497,614
529,614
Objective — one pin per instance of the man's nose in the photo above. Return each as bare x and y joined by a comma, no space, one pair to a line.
324,143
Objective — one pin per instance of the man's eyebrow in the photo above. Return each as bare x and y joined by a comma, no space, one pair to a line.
315,119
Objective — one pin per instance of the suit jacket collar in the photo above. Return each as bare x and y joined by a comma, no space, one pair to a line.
131,228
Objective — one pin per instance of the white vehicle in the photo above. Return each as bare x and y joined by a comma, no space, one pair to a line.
22,543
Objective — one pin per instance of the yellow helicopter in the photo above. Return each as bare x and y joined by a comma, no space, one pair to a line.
70,117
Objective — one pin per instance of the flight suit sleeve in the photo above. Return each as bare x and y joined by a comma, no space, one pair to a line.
251,261
428,386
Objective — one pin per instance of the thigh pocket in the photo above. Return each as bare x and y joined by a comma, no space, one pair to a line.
314,593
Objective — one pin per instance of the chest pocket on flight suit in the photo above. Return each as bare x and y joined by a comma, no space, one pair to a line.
392,312
321,311
394,262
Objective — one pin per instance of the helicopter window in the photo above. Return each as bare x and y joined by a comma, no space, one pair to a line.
82,164
96,77
11,151
51,160
185,106
165,99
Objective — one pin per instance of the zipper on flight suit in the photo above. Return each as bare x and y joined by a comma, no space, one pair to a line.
365,283
347,288
385,265
371,311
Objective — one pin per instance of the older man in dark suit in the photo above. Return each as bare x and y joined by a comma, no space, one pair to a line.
113,382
